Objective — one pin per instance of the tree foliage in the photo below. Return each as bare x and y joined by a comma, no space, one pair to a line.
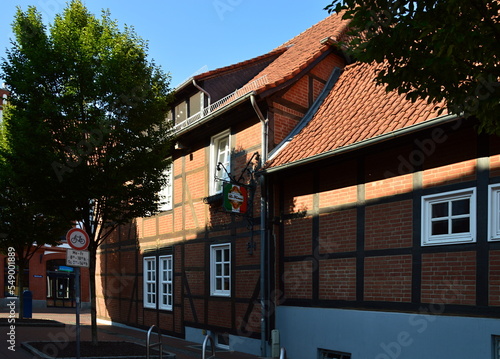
24,227
86,125
439,50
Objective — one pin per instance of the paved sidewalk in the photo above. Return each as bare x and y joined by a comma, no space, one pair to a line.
181,348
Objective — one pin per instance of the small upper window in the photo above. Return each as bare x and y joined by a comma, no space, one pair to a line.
449,218
220,165
166,192
494,213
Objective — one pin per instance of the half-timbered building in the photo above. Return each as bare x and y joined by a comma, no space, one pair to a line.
201,265
386,224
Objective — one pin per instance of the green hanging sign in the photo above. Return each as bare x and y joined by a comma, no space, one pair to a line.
235,198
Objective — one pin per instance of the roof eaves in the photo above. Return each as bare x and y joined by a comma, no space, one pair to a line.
364,143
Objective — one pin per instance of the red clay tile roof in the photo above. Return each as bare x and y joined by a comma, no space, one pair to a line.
356,109
239,65
302,50
294,55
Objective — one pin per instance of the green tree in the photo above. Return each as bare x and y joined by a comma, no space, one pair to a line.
92,109
439,50
24,228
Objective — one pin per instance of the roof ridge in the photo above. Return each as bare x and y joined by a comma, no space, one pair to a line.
240,64
319,23
304,48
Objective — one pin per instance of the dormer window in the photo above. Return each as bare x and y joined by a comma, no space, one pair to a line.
181,112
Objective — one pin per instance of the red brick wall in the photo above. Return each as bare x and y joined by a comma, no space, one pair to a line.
494,278
253,323
337,231
389,225
297,278
38,266
301,94
246,281
298,233
337,279
369,201
219,314
388,278
338,185
449,278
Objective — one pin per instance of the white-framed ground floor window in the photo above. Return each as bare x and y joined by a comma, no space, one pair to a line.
220,270
494,212
158,282
149,275
166,282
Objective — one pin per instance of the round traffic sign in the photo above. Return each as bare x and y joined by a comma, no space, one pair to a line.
78,239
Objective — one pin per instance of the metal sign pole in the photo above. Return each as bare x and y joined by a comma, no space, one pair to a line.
77,257
77,294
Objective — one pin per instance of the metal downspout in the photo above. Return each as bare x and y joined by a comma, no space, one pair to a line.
204,91
263,232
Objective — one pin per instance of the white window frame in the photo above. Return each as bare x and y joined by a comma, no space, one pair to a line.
451,238
215,152
166,283
166,193
149,281
494,212
215,289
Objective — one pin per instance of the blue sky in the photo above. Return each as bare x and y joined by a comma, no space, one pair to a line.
186,35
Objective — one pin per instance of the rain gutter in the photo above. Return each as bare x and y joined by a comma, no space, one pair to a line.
365,143
263,228
204,91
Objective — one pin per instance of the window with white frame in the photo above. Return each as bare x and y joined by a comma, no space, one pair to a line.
166,192
166,283
149,274
220,152
449,218
220,270
494,213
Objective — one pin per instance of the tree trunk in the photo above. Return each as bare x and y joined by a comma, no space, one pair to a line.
21,265
93,301
20,285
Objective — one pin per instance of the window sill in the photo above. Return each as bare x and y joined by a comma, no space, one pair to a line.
448,241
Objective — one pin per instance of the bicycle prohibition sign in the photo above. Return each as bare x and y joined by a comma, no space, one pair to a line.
78,239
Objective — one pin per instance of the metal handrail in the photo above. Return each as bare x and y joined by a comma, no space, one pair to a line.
257,83
148,341
282,353
204,347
